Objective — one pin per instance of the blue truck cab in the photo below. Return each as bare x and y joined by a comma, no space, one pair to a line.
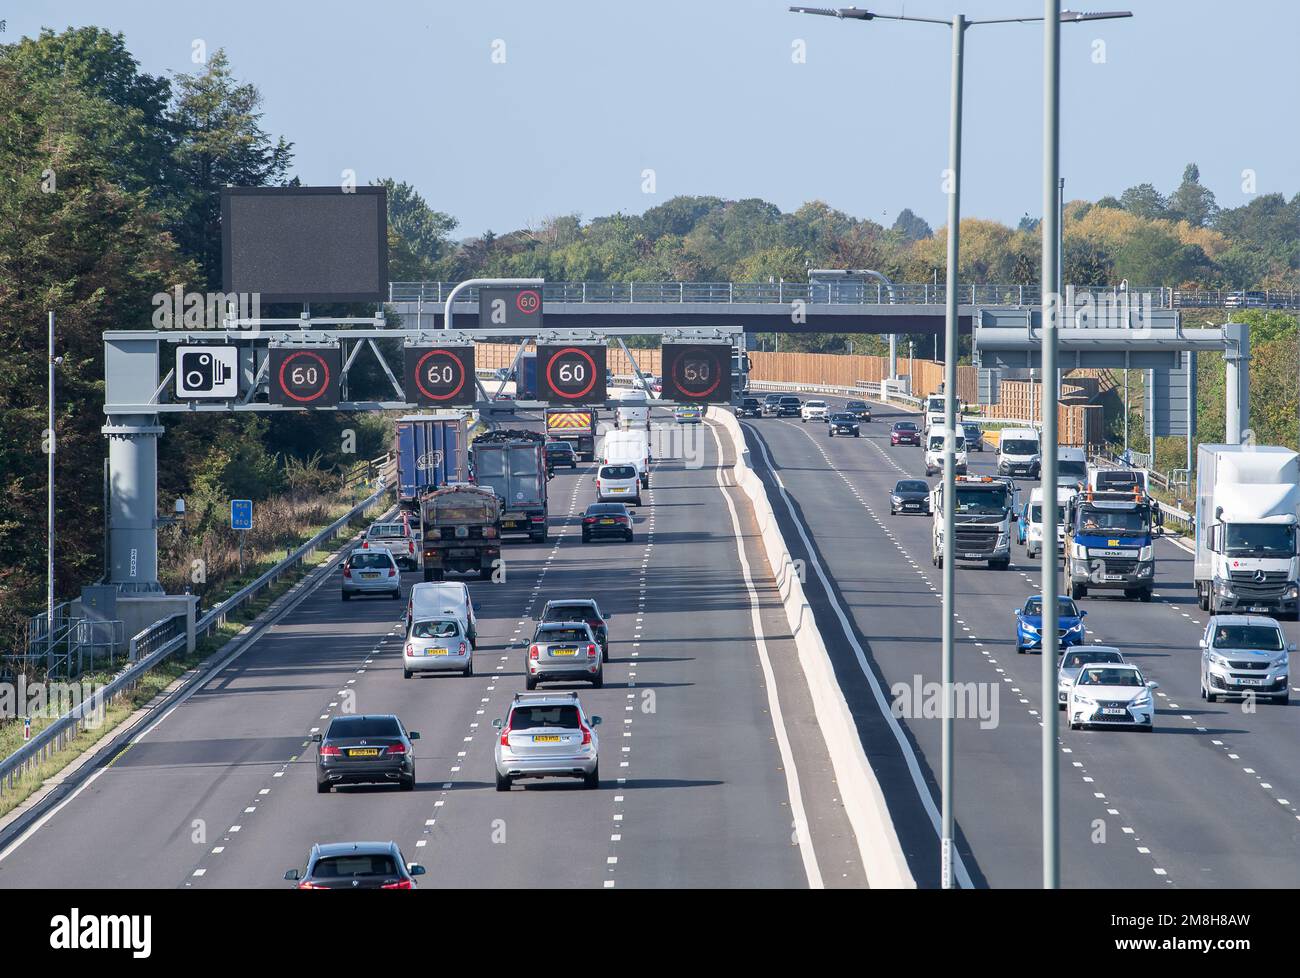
1109,543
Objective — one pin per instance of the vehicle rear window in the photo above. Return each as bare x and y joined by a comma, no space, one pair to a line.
606,509
364,727
435,629
618,472
387,530
370,561
344,867
554,635
570,612
532,717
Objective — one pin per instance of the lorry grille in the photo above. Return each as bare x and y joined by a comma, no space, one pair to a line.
1244,583
1119,565
976,539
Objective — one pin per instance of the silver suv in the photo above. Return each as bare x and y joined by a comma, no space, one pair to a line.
547,735
564,650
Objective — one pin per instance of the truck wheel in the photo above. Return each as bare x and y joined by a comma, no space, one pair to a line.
857,434
1078,591
485,573
1000,564
1145,595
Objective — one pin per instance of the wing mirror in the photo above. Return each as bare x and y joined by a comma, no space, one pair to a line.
595,721
496,724
292,875
1152,685
1083,614
415,869
316,738
413,735
1201,643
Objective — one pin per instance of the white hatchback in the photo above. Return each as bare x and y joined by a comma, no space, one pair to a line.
618,482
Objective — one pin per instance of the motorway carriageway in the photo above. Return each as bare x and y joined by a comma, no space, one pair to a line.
1211,798
695,783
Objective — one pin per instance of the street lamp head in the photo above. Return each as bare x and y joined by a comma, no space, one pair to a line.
1076,16
844,13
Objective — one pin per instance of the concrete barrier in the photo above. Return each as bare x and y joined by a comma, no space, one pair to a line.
864,803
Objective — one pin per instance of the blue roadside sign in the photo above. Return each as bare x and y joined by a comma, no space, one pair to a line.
241,514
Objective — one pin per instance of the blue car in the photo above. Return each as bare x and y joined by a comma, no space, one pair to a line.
1022,524
1029,620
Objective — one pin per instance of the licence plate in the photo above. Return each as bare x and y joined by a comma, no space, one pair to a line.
1258,608
911,505
435,651
1115,712
1250,682
370,577
508,522
1114,577
363,752
545,739
618,490
607,522
564,651
976,556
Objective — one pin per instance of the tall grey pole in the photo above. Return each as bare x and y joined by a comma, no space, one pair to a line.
1060,234
950,445
49,514
1051,311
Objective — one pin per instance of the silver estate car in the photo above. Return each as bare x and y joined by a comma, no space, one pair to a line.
439,645
547,735
371,572
564,650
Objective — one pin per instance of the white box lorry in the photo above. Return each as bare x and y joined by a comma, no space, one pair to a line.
1247,509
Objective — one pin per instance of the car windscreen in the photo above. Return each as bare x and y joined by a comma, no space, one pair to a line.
364,727
346,867
912,485
982,501
562,635
1075,471
1086,656
844,419
1123,522
1065,606
856,406
815,404
1102,676
532,717
790,401
1263,638
618,472
1036,513
370,561
435,629
1019,446
905,426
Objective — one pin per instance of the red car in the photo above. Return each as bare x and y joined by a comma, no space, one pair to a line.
905,433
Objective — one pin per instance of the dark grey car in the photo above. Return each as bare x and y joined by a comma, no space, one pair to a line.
974,437
910,496
356,866
368,749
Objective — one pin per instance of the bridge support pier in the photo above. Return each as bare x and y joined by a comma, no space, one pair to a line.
1236,359
133,502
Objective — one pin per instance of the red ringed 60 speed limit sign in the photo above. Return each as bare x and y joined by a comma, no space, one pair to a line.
439,375
697,372
305,376
573,374
528,301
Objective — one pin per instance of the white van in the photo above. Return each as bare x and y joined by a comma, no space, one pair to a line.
633,409
1019,453
934,451
628,448
431,600
1034,529
618,483
935,410
1071,467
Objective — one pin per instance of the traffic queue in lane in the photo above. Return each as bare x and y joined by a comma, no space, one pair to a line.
545,732
1241,656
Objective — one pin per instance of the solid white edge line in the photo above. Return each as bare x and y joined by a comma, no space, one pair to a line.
245,644
806,852
909,755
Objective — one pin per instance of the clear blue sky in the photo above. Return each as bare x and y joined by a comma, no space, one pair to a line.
593,92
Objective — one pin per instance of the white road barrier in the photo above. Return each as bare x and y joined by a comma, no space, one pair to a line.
864,803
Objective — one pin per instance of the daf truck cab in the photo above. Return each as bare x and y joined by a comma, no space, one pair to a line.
985,506
1019,453
1247,546
934,443
1109,543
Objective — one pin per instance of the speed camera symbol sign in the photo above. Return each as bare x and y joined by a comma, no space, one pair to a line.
207,372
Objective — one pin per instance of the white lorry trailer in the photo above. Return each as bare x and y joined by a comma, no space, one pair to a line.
1247,509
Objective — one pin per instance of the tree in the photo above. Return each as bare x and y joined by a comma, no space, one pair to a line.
220,143
910,226
1191,202
422,230
1144,201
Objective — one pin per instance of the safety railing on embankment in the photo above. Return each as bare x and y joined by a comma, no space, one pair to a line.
153,645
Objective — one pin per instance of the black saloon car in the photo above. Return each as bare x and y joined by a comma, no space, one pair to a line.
580,609
788,407
356,866
606,520
368,749
750,407
843,424
560,453
859,409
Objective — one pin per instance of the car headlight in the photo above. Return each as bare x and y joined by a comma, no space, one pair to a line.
1076,627
1028,627
1084,700
1066,681
1218,660
1291,592
1146,553
895,499
1141,699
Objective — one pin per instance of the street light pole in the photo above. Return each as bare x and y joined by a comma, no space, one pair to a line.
1051,311
49,522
